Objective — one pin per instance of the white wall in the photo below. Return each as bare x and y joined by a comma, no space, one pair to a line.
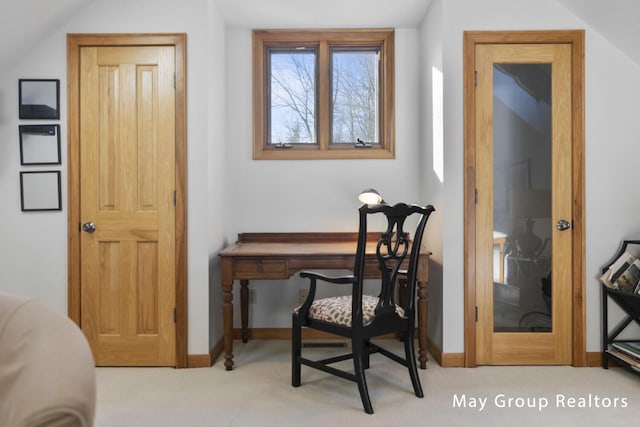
612,102
612,128
280,195
230,193
431,173
217,166
33,258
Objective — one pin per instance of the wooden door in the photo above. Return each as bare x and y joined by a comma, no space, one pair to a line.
518,116
127,204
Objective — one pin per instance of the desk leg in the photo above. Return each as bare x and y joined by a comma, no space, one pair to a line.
244,309
422,324
227,314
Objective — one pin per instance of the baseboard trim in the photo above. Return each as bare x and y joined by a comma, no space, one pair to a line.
594,359
217,350
198,361
434,351
452,360
446,360
281,334
255,334
456,360
205,360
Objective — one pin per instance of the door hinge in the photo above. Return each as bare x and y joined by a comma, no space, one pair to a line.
174,198
174,80
475,78
476,196
476,313
175,315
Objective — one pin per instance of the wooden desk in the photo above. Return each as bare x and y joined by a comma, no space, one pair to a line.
500,240
260,256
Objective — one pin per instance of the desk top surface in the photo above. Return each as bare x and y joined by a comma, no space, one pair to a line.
291,249
298,244
295,244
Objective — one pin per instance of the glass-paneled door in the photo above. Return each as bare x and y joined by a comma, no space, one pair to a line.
523,264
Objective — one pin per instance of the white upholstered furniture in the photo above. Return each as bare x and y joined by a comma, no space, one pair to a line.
47,372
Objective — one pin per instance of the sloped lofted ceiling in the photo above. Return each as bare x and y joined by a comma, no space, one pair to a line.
616,20
24,22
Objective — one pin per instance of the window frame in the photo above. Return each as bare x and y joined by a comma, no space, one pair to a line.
323,40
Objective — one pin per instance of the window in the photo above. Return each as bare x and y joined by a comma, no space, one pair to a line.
323,94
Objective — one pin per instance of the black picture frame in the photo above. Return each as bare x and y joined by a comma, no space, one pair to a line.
39,99
40,191
40,145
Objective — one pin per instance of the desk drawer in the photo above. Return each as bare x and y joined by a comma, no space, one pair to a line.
260,269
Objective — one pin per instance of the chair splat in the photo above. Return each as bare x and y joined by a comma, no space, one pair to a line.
361,317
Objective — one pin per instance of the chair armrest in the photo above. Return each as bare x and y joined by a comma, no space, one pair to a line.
350,279
303,310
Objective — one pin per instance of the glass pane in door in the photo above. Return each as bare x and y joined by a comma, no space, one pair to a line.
522,197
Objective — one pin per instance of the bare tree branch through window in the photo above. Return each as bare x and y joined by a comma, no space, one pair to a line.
323,94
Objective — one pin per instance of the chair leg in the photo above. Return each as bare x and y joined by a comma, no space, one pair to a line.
410,355
296,347
366,355
358,365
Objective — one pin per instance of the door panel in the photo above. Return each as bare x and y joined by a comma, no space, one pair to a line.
127,175
523,179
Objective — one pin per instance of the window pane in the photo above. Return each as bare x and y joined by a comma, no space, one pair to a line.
292,97
355,95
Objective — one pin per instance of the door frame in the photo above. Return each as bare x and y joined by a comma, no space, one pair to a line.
575,38
74,43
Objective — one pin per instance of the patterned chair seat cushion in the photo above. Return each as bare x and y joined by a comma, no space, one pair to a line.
338,309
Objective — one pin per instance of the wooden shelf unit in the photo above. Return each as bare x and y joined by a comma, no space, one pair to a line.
629,302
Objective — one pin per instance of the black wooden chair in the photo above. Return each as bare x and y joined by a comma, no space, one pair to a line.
361,317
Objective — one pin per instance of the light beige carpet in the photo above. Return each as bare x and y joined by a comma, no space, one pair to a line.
258,393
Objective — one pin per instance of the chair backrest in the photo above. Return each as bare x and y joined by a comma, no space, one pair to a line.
391,252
